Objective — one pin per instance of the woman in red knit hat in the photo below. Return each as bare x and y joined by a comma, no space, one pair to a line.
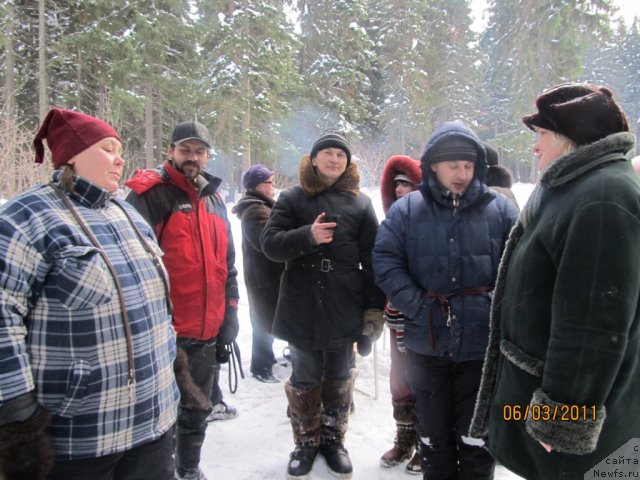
87,388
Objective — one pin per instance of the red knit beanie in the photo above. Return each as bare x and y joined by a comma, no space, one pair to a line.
68,133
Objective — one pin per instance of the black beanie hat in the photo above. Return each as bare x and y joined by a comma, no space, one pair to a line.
331,139
452,147
582,112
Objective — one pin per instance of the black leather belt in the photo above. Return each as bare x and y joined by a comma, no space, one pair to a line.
324,265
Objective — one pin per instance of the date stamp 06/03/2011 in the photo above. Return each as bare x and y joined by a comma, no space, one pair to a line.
549,413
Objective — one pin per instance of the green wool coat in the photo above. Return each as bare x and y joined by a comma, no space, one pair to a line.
563,362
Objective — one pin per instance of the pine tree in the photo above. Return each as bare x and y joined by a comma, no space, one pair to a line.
402,63
335,58
249,51
532,45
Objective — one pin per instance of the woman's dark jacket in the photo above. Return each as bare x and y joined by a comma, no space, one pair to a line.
324,288
565,324
261,275
429,252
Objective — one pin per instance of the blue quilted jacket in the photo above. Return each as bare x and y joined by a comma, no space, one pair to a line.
437,262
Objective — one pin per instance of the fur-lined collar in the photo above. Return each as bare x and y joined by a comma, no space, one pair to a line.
613,147
311,184
397,164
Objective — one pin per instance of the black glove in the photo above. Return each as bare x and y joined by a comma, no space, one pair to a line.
25,448
364,345
229,329
228,332
222,353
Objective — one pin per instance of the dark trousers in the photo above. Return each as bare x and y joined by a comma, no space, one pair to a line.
310,367
445,393
151,460
262,309
216,392
192,423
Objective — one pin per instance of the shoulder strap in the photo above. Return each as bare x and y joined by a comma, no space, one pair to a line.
114,275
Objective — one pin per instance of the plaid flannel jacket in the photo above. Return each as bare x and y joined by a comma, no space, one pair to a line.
61,328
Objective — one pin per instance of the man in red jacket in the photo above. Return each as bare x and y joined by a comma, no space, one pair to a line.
180,200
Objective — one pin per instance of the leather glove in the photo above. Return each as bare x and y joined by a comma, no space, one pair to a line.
25,448
372,323
223,351
228,332
364,345
230,327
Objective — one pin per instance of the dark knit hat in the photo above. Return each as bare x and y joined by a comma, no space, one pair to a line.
255,175
452,147
331,139
582,112
190,130
68,133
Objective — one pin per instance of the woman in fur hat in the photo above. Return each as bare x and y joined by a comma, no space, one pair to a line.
326,291
561,382
401,175
86,342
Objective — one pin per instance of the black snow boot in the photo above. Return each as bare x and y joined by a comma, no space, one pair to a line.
337,459
337,396
301,462
304,411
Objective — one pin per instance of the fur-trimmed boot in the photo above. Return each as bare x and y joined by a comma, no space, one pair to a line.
305,412
404,445
337,397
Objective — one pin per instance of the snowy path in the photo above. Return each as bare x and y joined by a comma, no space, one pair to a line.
256,444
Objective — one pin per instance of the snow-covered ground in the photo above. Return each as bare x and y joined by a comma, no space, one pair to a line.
256,444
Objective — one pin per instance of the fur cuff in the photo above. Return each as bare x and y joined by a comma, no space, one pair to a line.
25,448
191,396
567,428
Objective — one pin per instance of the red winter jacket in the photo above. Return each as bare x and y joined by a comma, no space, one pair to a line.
191,223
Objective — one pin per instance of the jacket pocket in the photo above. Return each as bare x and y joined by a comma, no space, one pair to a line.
521,359
79,278
79,378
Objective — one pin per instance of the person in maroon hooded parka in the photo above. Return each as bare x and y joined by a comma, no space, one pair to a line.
400,176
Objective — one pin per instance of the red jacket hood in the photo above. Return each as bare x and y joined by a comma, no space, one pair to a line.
395,165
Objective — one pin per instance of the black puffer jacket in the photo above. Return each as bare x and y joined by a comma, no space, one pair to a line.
317,308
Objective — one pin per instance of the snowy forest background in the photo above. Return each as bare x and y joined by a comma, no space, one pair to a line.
266,76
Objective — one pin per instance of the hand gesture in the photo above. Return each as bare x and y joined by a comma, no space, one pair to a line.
322,232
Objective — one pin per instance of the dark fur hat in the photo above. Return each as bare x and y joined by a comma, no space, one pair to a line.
582,112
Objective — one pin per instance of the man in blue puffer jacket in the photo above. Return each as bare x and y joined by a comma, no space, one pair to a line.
436,257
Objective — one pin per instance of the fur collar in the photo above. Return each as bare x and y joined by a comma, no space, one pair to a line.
614,147
312,185
397,164
611,148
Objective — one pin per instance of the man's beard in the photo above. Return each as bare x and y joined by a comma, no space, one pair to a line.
188,163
